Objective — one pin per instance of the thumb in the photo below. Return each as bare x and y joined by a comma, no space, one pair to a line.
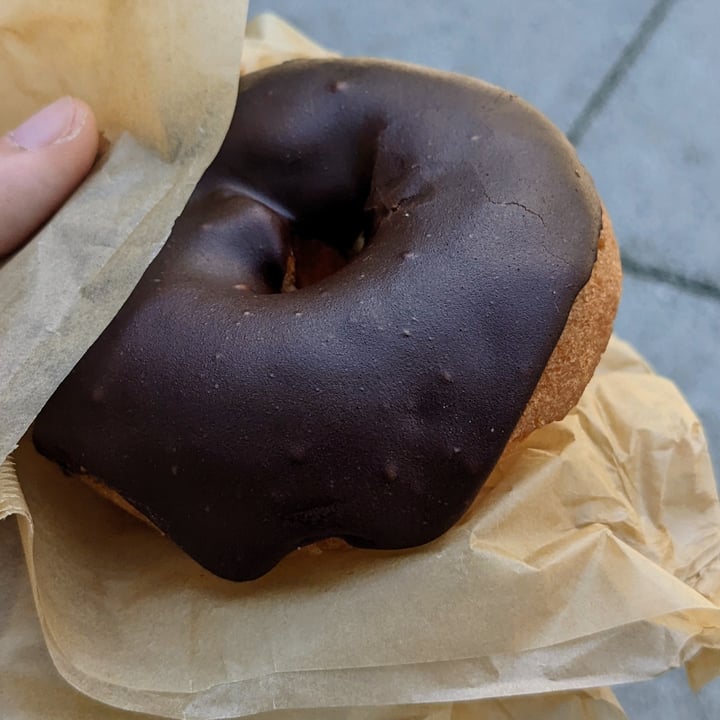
41,163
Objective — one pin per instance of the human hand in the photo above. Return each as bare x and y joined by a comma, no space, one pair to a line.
41,162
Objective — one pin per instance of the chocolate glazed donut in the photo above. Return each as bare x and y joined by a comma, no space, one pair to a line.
369,404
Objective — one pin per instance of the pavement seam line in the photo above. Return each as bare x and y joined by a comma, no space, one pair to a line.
629,54
596,103
679,281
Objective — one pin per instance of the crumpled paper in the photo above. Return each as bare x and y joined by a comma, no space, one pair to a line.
162,80
31,689
591,557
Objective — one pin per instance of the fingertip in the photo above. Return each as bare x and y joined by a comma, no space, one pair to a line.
85,135
42,162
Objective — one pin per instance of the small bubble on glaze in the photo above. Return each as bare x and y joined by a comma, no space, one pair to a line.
390,471
338,86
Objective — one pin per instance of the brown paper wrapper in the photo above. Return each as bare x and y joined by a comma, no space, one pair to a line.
162,80
30,688
591,557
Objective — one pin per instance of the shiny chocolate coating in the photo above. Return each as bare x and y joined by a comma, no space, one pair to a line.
372,404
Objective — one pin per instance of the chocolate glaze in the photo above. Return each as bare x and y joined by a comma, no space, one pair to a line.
370,405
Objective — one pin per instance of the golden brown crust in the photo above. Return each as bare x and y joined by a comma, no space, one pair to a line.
102,489
582,342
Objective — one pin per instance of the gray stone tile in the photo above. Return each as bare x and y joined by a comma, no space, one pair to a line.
553,53
653,150
679,334
667,697
709,698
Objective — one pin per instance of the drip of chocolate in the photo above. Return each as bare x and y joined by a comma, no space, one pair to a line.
371,403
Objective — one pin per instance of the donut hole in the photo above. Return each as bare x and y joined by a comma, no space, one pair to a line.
325,236
273,275
312,260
